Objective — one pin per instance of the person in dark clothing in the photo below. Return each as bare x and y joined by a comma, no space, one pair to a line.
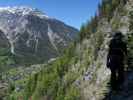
115,59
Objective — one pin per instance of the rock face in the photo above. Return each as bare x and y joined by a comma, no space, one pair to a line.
3,40
33,36
96,87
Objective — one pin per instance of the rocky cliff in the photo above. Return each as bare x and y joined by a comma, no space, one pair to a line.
94,84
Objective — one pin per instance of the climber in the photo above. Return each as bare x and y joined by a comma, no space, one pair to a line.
115,59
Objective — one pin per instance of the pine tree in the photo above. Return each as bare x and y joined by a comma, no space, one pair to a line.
82,32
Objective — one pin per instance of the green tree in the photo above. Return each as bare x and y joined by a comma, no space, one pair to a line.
82,32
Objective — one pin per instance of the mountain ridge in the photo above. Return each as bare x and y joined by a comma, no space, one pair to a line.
30,31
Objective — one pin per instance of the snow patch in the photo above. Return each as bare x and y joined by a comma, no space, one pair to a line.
23,10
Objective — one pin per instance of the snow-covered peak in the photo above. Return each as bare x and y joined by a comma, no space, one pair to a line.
23,10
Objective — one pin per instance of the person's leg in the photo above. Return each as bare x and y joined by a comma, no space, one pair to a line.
113,79
120,75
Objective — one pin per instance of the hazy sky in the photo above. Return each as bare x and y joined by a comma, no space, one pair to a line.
72,12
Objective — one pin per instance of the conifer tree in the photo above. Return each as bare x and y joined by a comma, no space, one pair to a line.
82,32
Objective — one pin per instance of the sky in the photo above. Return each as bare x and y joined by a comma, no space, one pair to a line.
72,12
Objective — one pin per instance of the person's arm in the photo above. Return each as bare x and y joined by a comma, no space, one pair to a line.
126,56
108,56
125,49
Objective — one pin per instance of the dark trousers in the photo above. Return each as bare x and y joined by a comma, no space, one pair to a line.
117,77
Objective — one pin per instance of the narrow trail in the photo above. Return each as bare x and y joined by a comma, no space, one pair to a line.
126,93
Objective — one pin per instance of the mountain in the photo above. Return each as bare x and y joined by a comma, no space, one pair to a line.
32,35
4,43
81,73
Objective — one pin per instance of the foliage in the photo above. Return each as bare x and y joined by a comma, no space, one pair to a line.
55,81
106,10
131,21
6,59
98,39
11,87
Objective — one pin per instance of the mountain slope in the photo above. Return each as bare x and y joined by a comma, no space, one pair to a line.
6,58
34,37
81,74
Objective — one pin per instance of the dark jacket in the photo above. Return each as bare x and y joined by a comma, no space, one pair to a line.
116,54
